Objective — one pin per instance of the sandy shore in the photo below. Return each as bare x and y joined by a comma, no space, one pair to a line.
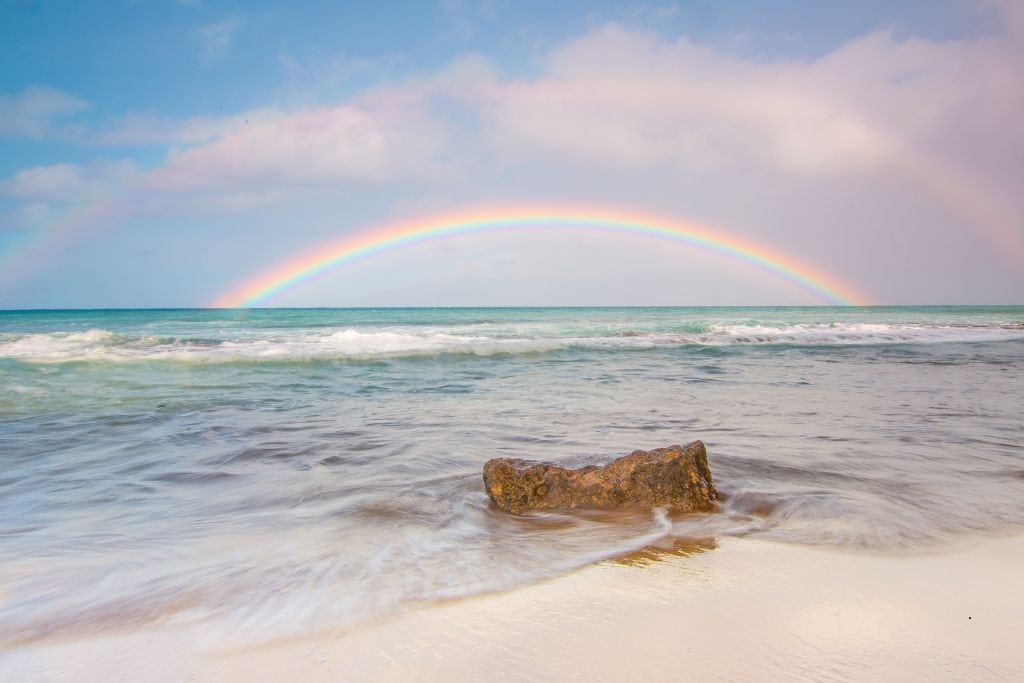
746,610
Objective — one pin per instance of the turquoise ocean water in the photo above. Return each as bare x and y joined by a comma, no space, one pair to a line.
265,472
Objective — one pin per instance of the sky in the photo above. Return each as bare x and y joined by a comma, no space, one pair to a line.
162,153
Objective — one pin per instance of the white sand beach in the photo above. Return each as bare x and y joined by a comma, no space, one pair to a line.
745,610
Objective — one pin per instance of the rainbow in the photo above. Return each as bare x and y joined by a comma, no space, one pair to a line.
371,242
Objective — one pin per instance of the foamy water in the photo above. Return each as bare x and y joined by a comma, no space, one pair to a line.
270,472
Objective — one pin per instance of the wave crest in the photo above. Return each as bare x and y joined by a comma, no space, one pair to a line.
353,344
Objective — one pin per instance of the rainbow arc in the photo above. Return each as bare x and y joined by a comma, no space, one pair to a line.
365,244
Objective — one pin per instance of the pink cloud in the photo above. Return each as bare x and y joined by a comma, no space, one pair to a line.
326,145
67,182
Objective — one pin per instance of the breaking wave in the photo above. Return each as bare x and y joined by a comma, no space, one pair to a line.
353,344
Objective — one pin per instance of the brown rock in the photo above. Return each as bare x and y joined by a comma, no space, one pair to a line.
676,478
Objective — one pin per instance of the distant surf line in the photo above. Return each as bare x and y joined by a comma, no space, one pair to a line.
366,243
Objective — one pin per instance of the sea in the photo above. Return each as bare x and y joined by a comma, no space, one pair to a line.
264,473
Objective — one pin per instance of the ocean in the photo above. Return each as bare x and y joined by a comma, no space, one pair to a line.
265,473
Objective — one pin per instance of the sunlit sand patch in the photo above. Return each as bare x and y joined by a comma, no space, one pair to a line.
671,548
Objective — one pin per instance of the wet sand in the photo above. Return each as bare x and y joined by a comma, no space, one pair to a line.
744,610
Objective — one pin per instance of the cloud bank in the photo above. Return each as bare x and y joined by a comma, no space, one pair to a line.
34,112
882,150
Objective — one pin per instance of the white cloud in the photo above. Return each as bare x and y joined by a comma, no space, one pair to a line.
44,182
140,129
621,102
67,182
30,214
34,111
215,39
624,99
351,143
630,99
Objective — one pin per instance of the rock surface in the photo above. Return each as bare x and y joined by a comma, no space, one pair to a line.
677,478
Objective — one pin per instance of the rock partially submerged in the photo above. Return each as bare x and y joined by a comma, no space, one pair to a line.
677,478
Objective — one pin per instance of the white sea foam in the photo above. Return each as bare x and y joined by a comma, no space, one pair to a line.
369,344
857,333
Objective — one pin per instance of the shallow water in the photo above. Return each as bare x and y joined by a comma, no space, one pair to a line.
268,472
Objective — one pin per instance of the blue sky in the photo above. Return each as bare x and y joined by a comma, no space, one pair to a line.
157,152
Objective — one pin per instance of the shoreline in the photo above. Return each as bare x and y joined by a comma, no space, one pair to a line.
742,610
